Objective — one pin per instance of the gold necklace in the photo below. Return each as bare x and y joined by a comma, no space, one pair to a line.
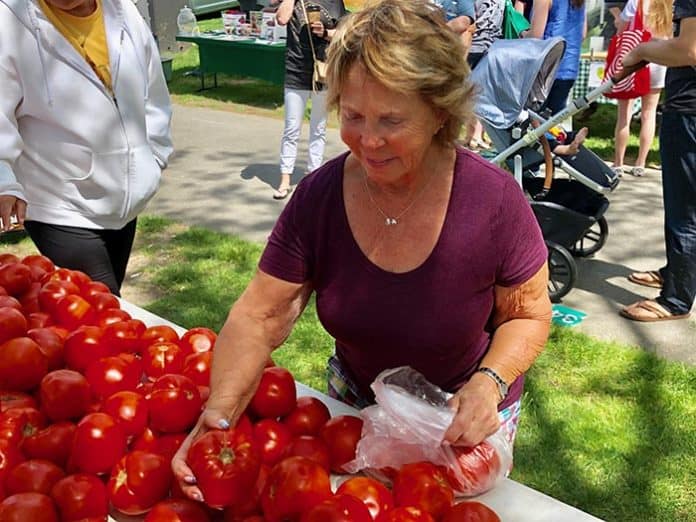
388,220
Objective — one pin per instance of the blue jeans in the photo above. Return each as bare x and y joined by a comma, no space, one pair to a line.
678,155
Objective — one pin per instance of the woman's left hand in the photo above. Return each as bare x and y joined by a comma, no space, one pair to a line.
317,29
476,407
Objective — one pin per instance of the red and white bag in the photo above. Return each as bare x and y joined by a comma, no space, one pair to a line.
637,84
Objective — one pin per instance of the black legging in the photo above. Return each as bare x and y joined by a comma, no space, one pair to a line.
101,254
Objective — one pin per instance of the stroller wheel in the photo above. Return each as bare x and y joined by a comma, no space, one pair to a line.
592,240
562,271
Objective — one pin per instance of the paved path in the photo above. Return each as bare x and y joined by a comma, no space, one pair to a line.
222,175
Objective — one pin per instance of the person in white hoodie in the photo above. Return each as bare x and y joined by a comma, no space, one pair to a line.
84,128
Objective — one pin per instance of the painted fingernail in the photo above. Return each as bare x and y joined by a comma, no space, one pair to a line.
190,479
198,497
224,424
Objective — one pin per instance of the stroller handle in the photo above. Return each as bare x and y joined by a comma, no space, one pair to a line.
627,71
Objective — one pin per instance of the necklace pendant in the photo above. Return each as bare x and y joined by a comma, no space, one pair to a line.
390,221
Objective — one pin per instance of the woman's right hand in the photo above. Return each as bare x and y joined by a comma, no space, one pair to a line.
11,206
210,419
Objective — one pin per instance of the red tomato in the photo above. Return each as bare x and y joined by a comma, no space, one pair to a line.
198,340
52,443
226,465
8,259
13,399
99,443
124,337
39,264
10,302
129,409
341,434
80,279
272,438
405,514
479,467
15,278
51,345
17,423
138,482
73,311
294,485
276,394
470,512
162,357
12,323
84,346
39,320
93,288
253,503
308,416
175,404
166,444
177,510
102,301
339,508
197,367
311,447
28,507
80,496
10,456
375,495
53,291
60,331
109,375
159,333
65,395
425,486
36,476
22,365
111,316
30,299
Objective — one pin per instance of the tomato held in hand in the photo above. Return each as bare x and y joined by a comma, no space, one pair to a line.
22,365
341,434
25,507
470,512
479,468
425,486
339,508
226,465
295,485
375,495
65,395
177,510
276,394
405,514
99,443
36,476
12,323
138,482
308,416
52,443
175,404
80,496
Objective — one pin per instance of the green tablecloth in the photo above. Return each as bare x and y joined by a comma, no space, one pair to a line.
241,57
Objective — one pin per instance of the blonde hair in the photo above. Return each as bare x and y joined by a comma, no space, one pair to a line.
659,18
406,46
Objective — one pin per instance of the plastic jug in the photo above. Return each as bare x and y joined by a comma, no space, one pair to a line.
186,21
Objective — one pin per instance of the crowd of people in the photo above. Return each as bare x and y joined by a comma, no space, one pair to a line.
417,251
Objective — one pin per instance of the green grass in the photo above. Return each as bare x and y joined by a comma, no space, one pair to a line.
606,428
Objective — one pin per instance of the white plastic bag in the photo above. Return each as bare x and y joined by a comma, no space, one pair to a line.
408,424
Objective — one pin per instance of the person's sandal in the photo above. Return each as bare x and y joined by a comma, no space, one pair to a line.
651,278
649,311
618,170
282,193
638,172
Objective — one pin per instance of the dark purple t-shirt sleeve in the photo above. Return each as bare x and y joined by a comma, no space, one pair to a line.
517,234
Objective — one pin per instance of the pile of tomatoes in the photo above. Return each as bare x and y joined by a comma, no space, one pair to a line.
94,404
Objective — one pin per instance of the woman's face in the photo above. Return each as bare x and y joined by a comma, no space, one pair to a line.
388,132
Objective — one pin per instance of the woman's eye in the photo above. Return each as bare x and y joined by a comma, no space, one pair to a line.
351,116
394,121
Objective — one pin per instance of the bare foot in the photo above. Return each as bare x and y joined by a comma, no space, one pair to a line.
574,146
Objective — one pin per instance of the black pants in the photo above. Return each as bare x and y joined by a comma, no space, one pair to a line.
101,254
558,95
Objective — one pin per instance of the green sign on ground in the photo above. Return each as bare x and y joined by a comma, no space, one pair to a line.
564,316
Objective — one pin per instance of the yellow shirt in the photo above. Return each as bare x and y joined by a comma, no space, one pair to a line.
87,35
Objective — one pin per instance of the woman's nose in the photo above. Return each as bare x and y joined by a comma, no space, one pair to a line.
371,137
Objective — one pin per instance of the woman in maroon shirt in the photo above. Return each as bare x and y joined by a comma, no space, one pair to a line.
419,252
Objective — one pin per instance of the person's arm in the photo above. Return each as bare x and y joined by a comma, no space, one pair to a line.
540,15
12,198
675,52
284,12
522,321
258,322
519,6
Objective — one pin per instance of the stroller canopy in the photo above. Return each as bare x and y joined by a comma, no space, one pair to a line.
513,76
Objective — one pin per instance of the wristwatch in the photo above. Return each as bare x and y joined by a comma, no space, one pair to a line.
502,385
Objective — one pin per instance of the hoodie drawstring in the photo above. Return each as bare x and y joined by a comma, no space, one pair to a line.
42,59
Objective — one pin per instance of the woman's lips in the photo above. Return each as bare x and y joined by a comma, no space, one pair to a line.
377,163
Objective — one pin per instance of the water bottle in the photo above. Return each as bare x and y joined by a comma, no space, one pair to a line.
186,21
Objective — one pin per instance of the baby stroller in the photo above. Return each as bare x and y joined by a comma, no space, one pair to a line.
513,80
